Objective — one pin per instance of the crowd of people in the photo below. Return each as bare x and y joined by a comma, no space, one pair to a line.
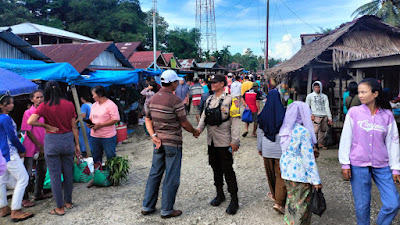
289,137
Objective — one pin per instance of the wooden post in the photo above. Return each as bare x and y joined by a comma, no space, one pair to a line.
78,109
309,81
358,75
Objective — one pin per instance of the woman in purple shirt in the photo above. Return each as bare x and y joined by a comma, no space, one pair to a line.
369,149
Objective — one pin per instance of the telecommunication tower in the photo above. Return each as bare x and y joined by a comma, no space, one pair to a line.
205,23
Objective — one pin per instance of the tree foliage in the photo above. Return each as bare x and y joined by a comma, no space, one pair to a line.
183,43
387,10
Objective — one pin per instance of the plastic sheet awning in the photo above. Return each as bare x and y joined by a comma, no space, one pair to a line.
38,70
113,77
15,84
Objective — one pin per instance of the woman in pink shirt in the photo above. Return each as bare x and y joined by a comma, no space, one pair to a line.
369,150
104,115
33,143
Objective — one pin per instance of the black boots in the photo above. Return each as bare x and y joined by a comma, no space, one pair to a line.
219,199
234,205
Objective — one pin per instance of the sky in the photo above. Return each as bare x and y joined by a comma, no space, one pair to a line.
241,24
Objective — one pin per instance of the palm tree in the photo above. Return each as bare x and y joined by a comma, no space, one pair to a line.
387,10
225,55
207,55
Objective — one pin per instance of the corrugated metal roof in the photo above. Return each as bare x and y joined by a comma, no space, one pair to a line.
128,48
144,59
32,28
168,56
22,45
187,63
81,55
207,65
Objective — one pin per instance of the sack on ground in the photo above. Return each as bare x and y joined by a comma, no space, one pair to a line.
247,116
318,204
101,178
47,182
82,173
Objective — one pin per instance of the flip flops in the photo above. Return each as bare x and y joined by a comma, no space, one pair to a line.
70,207
245,134
270,196
279,209
27,204
23,216
42,197
55,213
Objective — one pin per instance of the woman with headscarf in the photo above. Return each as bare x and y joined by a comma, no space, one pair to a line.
270,121
298,166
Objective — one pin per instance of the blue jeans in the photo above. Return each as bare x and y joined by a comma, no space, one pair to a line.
82,140
361,187
100,145
168,159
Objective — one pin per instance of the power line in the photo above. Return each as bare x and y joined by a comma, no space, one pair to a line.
290,39
236,20
298,16
228,9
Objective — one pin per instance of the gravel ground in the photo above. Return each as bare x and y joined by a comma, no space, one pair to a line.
122,204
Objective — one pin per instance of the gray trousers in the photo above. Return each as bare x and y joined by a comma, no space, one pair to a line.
59,152
40,174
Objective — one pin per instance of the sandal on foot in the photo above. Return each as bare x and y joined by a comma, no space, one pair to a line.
270,196
27,203
5,211
23,216
70,207
54,212
245,134
279,209
42,197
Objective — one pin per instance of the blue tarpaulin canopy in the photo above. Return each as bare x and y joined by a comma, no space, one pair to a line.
14,84
38,70
113,77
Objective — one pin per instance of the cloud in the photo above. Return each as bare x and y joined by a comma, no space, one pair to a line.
285,48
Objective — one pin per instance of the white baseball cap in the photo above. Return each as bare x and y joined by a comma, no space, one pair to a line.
169,76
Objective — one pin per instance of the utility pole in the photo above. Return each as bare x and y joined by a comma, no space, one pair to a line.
154,35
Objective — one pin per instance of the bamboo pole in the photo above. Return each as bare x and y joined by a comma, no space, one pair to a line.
78,109
309,81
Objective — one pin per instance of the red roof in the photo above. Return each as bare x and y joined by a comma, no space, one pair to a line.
167,57
143,59
128,48
78,55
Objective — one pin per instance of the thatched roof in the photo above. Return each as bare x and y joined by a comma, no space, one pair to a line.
366,37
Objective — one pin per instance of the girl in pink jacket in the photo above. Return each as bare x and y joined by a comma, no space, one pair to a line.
369,149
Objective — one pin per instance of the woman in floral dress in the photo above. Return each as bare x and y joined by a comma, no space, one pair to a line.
298,166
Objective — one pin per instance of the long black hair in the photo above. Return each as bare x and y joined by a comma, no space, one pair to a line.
52,93
353,89
5,100
154,85
381,100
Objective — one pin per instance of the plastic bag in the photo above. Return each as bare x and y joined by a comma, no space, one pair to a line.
247,116
100,178
47,183
330,137
82,173
318,204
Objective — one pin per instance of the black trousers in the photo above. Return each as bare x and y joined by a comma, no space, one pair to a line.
221,160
